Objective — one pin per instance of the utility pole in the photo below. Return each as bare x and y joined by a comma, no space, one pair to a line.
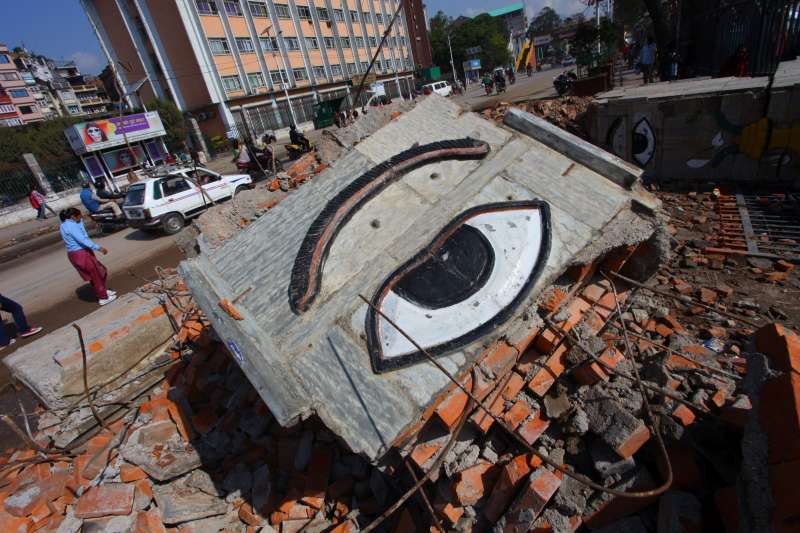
452,64
284,81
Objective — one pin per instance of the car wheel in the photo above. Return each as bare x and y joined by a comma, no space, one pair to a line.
172,223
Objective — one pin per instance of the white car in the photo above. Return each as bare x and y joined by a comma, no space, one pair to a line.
442,88
166,201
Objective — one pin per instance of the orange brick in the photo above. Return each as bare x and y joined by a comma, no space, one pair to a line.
501,358
105,500
149,522
633,442
553,300
784,265
546,376
424,451
516,414
451,513
589,374
449,411
128,473
15,524
514,385
683,414
345,527
533,428
541,486
510,477
472,484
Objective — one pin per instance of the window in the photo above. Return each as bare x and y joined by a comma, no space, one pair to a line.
258,9
392,42
231,83
373,42
268,43
203,177
367,17
359,42
351,68
7,108
330,42
283,11
14,122
299,74
18,93
219,46
336,70
278,76
353,16
8,76
338,15
233,8
303,12
245,45
345,42
378,65
311,43
291,43
204,7
378,18
256,80
402,41
322,14
173,186
364,65
319,71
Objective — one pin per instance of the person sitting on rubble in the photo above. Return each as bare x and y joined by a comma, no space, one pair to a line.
93,203
298,138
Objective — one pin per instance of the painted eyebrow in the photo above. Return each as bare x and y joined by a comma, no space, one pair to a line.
307,270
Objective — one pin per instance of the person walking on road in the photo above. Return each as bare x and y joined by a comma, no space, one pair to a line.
80,251
23,328
647,58
39,202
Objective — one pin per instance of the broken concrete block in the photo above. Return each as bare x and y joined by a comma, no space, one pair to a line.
173,458
116,338
178,503
617,427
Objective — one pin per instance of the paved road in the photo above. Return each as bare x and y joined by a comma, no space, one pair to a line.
539,85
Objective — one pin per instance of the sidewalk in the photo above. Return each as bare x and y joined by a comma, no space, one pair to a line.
24,237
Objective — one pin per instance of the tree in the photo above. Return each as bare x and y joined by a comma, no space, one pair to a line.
173,120
489,33
546,21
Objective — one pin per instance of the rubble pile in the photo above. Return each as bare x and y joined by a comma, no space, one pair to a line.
566,112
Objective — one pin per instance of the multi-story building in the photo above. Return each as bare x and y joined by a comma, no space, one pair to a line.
417,23
220,58
17,103
516,22
79,94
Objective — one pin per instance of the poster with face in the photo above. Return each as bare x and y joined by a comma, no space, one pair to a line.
123,159
95,132
114,132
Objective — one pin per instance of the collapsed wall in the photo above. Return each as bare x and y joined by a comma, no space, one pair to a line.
299,329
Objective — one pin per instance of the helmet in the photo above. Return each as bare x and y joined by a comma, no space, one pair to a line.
292,127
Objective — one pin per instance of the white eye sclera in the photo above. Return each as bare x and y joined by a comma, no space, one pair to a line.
468,281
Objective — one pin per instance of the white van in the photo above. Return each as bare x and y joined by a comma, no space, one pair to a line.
442,88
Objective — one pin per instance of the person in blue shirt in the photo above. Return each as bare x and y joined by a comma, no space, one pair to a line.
80,252
93,204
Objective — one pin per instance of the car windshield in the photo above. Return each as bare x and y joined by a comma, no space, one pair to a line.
135,194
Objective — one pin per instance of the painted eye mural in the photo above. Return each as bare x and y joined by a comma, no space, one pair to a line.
308,264
615,137
644,142
465,283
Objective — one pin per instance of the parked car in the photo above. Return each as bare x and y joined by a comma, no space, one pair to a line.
167,201
567,61
442,88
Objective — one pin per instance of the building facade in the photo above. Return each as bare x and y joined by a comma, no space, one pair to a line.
516,22
417,24
17,102
233,61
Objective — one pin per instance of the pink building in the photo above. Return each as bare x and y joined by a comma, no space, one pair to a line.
17,102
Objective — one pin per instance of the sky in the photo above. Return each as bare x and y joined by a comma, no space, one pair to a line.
59,29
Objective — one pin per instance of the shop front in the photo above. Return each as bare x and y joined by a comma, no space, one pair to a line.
115,146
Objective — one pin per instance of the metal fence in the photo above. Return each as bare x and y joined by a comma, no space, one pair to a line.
714,30
16,178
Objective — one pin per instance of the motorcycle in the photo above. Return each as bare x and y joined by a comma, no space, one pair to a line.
501,86
564,82
488,87
105,218
295,150
264,162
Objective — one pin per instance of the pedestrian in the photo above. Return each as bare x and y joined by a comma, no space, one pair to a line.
23,328
39,202
647,58
737,64
80,252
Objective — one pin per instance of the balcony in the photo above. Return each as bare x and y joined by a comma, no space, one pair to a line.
84,88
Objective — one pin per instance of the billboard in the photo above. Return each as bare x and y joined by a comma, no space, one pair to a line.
472,64
110,132
119,160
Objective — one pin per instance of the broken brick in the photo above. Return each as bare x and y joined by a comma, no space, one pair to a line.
106,500
149,522
472,484
129,473
451,513
424,451
544,378
509,478
449,411
516,414
684,414
784,266
776,276
533,428
541,486
552,300
707,296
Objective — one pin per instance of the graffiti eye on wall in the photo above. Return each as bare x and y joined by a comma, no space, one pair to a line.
615,137
466,282
643,143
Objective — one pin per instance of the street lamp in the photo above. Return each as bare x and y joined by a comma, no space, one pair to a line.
285,70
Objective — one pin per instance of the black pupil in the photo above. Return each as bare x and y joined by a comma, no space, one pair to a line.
457,271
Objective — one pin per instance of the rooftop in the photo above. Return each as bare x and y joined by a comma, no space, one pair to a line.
500,11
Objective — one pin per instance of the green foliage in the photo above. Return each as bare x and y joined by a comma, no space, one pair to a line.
173,120
546,21
490,33
220,143
587,36
45,140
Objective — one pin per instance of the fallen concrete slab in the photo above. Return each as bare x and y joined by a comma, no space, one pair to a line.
319,360
117,337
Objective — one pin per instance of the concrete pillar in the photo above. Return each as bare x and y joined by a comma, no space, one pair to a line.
36,170
197,135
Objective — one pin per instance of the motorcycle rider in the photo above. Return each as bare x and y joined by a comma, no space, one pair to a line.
510,75
500,80
487,83
93,203
298,138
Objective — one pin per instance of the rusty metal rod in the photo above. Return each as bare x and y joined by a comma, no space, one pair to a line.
577,477
95,412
